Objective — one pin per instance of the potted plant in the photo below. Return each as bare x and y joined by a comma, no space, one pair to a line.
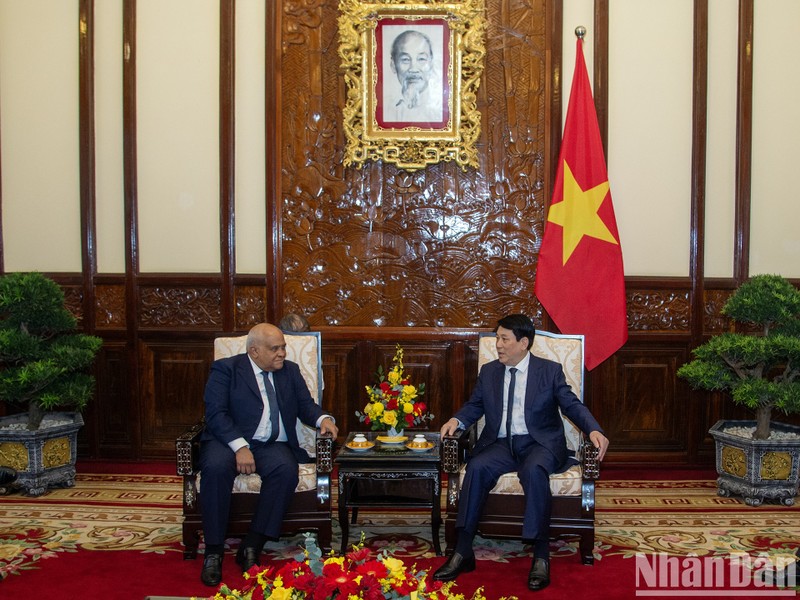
761,371
43,367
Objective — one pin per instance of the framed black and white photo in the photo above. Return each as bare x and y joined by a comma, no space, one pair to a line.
411,72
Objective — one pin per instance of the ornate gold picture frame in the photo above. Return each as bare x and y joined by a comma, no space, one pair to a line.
411,72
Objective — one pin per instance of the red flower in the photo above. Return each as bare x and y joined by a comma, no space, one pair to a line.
335,578
405,587
367,420
258,593
409,419
385,387
294,573
404,382
358,556
432,586
371,587
391,404
304,583
373,568
419,408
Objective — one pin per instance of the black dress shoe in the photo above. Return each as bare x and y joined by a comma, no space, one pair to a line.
454,566
539,577
7,475
247,557
211,574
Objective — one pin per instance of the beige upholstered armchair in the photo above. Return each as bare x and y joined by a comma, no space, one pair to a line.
573,490
311,507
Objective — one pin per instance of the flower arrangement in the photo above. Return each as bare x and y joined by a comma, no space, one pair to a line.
394,402
355,575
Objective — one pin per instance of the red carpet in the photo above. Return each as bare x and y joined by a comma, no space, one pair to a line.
130,575
118,536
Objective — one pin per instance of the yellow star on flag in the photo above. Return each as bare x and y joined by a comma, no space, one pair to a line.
577,214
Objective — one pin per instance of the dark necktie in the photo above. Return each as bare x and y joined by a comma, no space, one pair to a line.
274,414
510,411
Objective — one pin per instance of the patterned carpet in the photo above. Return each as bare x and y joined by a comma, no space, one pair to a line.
686,516
142,513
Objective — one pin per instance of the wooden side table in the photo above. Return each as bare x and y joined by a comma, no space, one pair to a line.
374,478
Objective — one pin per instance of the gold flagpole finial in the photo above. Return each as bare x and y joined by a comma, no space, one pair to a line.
580,31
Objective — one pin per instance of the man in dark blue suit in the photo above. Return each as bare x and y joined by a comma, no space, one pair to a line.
530,442
253,402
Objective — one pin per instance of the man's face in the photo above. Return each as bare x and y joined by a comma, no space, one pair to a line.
413,63
509,350
269,351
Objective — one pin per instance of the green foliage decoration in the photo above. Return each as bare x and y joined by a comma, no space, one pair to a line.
761,371
44,362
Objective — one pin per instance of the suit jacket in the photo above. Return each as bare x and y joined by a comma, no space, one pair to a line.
547,391
234,405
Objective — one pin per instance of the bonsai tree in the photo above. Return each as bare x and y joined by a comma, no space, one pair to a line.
759,371
43,360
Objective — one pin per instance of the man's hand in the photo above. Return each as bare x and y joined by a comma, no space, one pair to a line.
600,442
245,463
450,427
328,426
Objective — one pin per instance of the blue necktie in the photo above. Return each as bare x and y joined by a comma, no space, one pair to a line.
510,411
274,414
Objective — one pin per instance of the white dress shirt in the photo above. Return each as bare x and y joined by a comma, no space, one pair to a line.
518,426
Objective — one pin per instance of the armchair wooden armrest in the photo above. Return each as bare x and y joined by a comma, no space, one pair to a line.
589,463
187,448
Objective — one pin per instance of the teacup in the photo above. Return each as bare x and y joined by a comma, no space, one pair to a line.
359,438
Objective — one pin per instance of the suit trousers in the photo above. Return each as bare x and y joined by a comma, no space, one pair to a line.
533,463
278,468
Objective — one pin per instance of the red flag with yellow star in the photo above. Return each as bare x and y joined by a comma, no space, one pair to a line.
580,281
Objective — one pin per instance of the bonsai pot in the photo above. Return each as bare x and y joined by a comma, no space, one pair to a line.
45,457
757,470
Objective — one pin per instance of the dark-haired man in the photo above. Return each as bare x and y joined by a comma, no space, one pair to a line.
531,442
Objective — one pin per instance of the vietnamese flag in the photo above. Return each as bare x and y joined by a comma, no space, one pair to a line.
580,281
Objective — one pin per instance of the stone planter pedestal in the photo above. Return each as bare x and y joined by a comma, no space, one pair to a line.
757,470
43,458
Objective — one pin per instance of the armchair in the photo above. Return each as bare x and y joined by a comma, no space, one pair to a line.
311,506
572,490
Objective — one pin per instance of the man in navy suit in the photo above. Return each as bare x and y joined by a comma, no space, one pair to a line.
530,442
253,402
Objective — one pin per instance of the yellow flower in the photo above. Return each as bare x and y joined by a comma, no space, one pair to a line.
376,408
334,560
393,377
408,407
409,392
281,593
396,567
390,418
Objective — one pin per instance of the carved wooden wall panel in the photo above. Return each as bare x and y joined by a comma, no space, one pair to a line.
173,398
643,411
170,306
441,247
110,416
73,300
658,310
251,306
110,306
